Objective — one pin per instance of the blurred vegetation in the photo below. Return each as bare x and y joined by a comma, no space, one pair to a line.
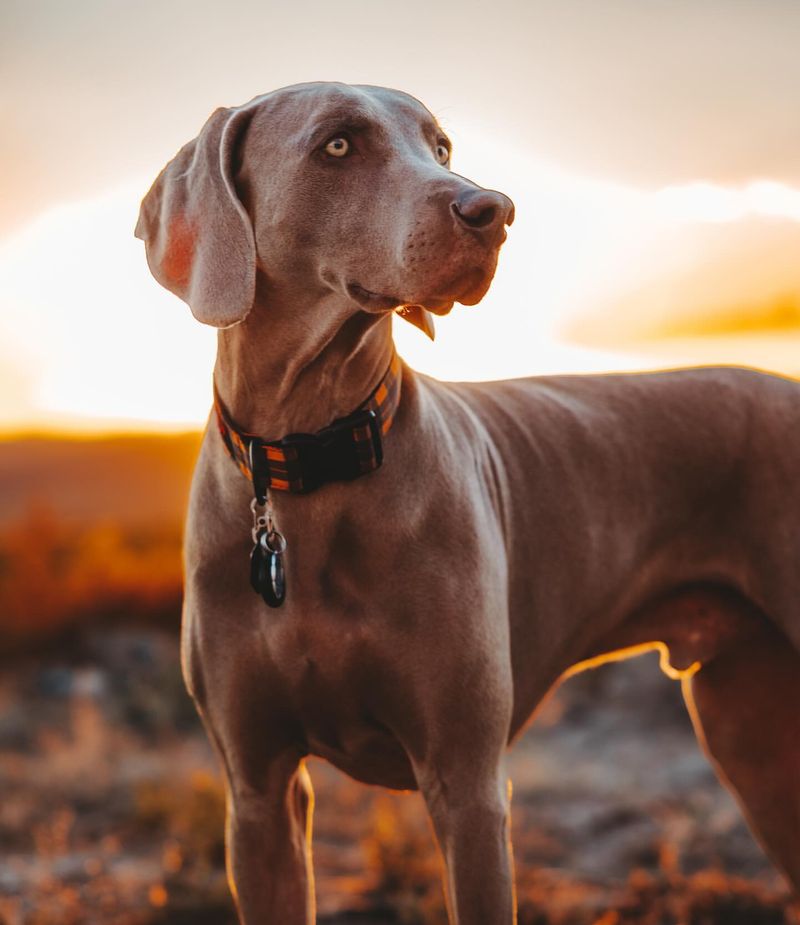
406,867
400,851
186,812
56,578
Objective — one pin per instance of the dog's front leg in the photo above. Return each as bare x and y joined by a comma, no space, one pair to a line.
469,806
269,796
456,734
268,843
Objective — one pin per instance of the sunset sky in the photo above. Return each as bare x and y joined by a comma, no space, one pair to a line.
652,149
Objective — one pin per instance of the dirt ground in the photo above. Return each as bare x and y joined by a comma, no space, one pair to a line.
112,808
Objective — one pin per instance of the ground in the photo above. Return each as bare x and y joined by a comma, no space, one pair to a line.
112,807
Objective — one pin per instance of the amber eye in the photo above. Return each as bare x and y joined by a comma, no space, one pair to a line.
337,147
442,153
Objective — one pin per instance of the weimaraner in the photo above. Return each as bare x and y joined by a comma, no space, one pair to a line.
500,535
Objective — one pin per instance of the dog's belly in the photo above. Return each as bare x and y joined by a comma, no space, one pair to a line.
690,626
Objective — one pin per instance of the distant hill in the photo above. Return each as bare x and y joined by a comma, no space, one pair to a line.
133,481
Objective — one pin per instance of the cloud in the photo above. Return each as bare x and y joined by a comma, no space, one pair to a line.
714,279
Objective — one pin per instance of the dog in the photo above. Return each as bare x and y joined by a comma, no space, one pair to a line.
436,556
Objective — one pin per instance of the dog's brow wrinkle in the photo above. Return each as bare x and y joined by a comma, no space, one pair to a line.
433,133
344,122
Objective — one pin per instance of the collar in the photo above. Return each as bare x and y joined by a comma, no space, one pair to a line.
347,448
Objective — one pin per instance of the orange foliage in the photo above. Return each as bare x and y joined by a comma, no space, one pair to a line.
53,578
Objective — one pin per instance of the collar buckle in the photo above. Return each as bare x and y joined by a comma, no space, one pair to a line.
346,449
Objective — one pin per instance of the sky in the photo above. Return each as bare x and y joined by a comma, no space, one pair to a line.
652,148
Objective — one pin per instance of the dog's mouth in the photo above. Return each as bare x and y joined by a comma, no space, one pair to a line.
372,301
375,301
468,288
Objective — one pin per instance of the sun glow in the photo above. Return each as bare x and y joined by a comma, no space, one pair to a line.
102,342
707,202
90,340
621,655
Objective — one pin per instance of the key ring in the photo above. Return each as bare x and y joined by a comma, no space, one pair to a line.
272,541
264,520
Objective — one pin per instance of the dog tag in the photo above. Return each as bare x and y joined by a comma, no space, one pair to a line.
267,573
258,568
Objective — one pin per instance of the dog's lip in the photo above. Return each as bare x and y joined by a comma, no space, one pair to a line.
468,288
372,300
376,301
439,305
472,285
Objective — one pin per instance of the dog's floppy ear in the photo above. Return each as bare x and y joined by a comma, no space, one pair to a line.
198,236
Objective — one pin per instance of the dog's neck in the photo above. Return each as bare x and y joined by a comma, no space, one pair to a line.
269,365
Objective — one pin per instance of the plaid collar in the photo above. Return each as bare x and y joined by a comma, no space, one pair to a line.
349,447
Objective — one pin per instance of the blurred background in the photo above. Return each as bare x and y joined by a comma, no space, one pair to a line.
653,152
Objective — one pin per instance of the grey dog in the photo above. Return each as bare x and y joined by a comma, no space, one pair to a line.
516,531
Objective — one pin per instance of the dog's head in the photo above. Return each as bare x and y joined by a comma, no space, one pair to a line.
327,188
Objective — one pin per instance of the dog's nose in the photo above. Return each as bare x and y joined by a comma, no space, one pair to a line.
483,210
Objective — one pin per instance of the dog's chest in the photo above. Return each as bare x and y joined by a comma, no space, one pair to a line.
338,692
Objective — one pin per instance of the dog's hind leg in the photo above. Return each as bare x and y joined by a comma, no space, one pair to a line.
745,706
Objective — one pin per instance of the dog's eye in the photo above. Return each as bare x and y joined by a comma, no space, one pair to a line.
337,147
442,153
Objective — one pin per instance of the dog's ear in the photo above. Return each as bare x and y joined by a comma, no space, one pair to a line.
198,236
